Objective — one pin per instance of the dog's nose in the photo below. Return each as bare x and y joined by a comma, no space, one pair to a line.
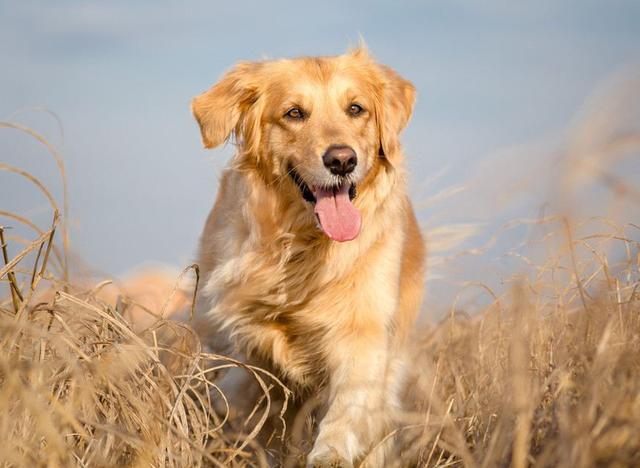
340,160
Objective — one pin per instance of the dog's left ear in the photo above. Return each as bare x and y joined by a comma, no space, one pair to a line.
230,108
398,98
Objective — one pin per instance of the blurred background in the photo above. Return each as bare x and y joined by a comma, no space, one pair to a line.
518,108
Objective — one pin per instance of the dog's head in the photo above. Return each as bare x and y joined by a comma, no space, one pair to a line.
326,124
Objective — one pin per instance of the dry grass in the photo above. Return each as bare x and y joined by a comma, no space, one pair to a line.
82,383
547,374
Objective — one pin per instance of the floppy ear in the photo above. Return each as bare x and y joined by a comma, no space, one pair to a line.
224,109
398,97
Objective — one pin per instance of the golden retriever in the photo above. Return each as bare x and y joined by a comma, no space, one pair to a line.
312,259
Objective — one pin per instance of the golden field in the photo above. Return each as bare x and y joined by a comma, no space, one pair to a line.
547,373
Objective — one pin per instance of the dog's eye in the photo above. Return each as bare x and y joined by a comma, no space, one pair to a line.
355,109
294,113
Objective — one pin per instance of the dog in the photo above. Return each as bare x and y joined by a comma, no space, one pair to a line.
311,258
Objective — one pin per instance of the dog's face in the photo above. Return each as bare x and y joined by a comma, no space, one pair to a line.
322,123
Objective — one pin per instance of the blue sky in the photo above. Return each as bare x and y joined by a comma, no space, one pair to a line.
490,76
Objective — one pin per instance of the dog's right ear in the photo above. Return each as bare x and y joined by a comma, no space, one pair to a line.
219,110
399,99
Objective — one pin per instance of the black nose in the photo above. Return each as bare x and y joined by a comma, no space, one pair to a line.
340,160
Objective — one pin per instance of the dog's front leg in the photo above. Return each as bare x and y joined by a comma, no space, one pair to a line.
361,396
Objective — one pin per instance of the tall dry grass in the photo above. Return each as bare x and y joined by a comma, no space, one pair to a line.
547,374
92,377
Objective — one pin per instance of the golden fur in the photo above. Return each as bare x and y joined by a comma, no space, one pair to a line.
276,289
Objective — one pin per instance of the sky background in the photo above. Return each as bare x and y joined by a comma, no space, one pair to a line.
493,79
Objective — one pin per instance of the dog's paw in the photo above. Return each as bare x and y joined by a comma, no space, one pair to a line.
329,458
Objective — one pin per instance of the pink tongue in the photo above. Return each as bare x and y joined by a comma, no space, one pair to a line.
340,220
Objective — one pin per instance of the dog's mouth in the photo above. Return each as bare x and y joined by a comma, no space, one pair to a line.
339,219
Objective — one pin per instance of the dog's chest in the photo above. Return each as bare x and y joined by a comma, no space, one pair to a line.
284,305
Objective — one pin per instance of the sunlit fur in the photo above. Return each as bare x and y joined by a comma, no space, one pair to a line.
275,288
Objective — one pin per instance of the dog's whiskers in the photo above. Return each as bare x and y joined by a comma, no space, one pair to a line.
290,170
